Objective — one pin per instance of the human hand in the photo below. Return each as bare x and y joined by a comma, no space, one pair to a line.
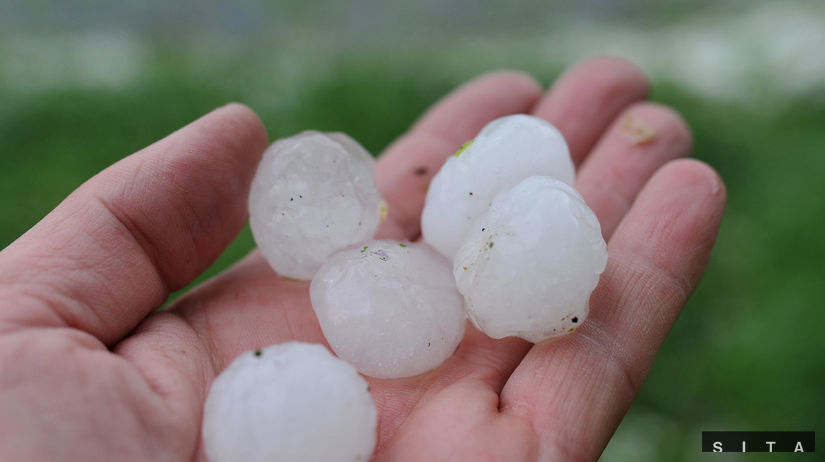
91,372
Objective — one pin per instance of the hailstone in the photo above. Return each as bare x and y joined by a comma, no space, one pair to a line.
313,194
289,402
390,308
528,266
506,151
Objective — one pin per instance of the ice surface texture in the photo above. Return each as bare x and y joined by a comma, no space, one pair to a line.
528,266
289,402
505,152
389,308
313,194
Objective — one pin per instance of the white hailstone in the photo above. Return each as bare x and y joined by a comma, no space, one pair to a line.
289,402
505,152
389,308
313,194
529,265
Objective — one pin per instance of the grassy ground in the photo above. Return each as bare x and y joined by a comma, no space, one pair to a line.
747,353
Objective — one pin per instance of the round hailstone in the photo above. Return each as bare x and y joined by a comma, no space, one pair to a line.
505,152
389,308
313,194
529,264
289,402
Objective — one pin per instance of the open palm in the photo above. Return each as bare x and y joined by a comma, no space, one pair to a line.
88,370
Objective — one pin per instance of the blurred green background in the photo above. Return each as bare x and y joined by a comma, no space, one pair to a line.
84,83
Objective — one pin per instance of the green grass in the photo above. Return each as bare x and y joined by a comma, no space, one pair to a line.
747,352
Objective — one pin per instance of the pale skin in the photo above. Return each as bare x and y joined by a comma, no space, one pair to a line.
88,370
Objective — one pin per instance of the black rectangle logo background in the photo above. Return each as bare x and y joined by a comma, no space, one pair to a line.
758,441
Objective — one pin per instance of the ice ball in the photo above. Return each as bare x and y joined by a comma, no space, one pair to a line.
506,151
389,308
313,194
289,402
528,266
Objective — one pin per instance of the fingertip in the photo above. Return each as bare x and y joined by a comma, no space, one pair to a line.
616,72
464,111
221,150
676,217
186,194
584,100
710,186
242,123
404,171
662,121
697,178
511,81
641,139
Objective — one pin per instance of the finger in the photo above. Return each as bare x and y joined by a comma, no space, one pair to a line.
642,139
112,251
581,104
583,101
575,390
406,168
